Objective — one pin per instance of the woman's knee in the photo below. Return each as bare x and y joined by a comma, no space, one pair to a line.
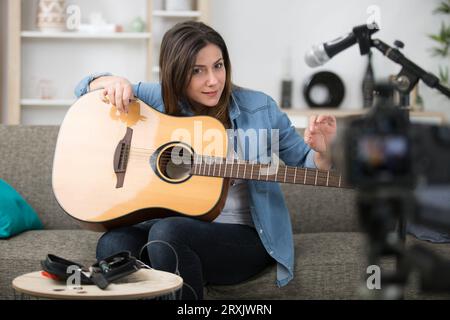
171,229
122,239
106,245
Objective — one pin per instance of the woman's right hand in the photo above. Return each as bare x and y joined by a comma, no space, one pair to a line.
118,90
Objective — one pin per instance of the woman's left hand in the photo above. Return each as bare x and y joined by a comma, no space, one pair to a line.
320,133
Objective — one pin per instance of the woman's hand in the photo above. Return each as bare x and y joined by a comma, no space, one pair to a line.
318,135
118,90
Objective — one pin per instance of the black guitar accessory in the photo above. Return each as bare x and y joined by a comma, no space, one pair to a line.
102,273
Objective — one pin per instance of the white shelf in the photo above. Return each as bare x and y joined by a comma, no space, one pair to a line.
47,102
85,35
300,117
176,14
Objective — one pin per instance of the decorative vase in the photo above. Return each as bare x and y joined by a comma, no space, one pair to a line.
368,84
137,25
51,15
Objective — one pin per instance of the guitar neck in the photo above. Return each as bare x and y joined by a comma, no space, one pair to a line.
219,167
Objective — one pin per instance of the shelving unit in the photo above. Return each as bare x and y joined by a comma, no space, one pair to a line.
71,55
46,102
176,14
85,35
300,118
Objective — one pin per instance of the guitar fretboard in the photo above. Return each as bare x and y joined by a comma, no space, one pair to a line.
219,167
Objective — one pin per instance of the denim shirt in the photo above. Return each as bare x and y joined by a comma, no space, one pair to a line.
253,110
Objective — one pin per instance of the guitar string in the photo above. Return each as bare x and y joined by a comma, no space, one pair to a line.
316,174
297,178
220,160
310,180
224,161
166,155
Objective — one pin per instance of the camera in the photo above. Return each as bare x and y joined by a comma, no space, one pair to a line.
387,159
384,149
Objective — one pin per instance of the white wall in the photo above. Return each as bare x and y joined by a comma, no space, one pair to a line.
3,34
260,32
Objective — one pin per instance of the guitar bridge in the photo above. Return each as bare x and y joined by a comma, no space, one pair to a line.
121,156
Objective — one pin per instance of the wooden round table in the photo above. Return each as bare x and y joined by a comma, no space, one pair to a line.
143,284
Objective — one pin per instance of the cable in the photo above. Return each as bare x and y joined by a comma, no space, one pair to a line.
177,272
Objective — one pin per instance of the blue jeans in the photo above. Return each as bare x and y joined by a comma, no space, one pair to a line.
208,253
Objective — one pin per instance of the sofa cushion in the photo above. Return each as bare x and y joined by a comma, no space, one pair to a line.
321,209
26,163
328,265
16,215
22,254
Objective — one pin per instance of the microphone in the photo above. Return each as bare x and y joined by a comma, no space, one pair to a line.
321,53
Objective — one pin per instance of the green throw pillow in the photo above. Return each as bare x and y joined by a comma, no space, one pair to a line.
16,215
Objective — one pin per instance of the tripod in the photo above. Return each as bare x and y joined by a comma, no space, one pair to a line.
383,208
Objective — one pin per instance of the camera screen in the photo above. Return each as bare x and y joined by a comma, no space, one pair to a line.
383,157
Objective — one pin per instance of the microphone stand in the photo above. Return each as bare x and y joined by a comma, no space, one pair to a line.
410,74
404,83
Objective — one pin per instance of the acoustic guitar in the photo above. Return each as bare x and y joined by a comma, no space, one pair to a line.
112,169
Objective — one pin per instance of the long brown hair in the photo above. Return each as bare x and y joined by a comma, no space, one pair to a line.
179,48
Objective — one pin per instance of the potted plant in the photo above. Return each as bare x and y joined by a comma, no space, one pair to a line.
442,41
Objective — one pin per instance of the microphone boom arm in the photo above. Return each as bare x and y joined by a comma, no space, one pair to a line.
411,72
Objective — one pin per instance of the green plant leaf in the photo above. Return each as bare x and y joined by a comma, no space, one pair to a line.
437,38
443,40
444,74
445,32
444,8
439,52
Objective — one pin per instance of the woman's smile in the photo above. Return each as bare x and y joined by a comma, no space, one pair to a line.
210,94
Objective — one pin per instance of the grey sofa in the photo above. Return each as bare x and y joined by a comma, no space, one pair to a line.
330,247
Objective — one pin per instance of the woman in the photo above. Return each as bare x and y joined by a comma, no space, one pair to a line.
253,229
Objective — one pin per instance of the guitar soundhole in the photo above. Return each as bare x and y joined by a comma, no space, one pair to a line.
174,163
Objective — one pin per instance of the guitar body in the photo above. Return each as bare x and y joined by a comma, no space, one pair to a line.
110,169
